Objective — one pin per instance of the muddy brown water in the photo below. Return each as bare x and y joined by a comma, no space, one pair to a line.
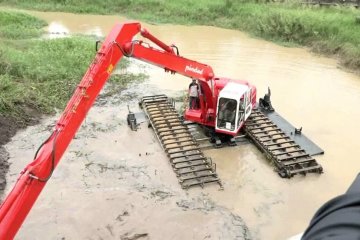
107,186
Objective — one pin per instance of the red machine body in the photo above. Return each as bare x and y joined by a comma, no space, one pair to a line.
118,43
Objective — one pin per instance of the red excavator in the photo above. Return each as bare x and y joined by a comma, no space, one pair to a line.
236,98
224,105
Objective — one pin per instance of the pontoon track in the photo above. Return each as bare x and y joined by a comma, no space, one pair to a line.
288,157
190,164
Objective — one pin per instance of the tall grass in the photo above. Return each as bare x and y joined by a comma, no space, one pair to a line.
331,30
41,74
19,26
325,30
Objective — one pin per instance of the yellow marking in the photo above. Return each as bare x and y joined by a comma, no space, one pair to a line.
110,68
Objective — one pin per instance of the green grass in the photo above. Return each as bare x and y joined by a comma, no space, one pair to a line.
325,30
19,26
329,30
41,74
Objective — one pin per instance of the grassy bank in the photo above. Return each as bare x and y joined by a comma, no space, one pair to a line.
19,26
331,31
39,75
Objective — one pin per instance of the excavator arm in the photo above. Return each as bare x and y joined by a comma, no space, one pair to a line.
169,61
118,43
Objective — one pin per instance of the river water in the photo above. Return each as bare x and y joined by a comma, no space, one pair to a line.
308,90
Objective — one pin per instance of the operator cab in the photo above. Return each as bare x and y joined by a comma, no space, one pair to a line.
233,108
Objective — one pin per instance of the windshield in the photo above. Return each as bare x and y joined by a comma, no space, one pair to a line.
226,114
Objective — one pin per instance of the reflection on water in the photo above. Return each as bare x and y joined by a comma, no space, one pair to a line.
310,91
57,30
95,31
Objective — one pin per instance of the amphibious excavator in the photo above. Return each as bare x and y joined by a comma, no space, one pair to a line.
226,106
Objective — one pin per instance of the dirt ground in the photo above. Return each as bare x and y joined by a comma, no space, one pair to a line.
8,129
4,167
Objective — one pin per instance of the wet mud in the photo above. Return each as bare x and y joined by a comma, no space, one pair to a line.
114,183
135,192
8,128
4,167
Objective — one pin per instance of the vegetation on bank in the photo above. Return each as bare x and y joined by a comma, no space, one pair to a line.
19,26
38,75
329,30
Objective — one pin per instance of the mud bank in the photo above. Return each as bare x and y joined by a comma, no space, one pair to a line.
8,128
4,167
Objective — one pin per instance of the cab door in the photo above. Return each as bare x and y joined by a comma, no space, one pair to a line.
244,109
248,105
